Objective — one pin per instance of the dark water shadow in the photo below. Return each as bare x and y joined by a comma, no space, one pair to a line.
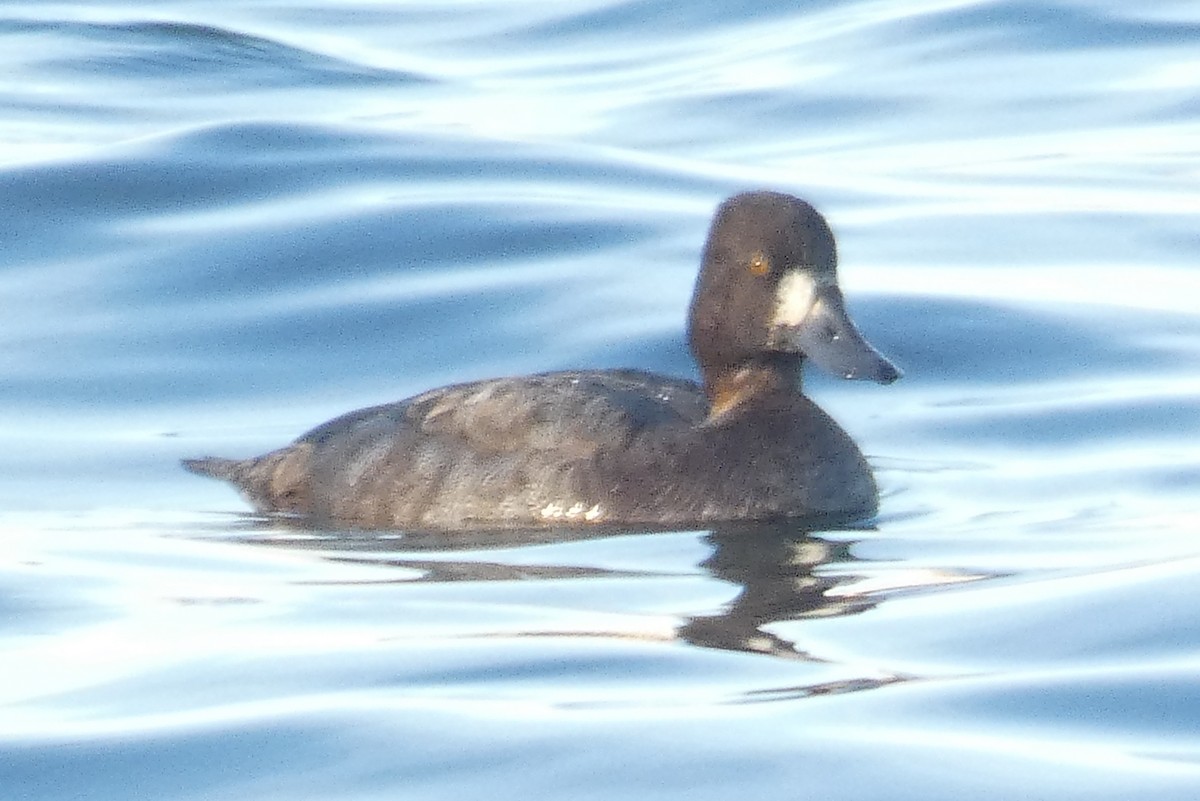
777,567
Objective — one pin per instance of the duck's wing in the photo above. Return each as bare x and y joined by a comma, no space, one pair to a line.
489,450
573,414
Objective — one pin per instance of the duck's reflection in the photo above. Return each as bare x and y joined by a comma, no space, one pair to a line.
777,566
778,570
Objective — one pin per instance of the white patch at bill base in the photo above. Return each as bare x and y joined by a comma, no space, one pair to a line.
795,297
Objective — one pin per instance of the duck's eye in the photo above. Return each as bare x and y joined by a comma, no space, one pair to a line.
759,264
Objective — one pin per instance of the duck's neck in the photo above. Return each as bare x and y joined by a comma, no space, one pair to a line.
751,383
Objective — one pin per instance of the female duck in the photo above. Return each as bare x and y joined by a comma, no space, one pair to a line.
618,446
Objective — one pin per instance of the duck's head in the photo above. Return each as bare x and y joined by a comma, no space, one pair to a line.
767,296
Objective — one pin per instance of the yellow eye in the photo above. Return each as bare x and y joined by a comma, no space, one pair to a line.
759,264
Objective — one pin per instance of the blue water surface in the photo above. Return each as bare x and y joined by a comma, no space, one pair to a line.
227,222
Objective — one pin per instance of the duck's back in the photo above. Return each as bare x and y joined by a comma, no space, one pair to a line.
613,446
507,451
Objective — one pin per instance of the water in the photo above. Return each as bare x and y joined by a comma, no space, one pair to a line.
227,222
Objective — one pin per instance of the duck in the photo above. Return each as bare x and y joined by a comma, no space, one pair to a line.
618,447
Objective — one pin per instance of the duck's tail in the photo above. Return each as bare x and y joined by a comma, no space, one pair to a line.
232,470
274,482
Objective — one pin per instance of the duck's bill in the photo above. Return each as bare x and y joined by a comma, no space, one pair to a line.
828,337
